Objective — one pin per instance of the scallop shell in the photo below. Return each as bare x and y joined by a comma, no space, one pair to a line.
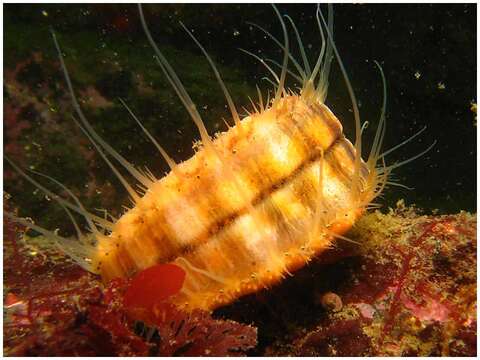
250,207
272,195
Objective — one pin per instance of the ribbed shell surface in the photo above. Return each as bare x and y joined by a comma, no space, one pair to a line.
237,218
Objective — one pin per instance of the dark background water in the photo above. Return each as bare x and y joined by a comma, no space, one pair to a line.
428,54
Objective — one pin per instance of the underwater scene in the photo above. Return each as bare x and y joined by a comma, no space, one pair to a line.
239,180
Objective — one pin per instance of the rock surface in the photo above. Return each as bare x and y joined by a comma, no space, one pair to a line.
406,285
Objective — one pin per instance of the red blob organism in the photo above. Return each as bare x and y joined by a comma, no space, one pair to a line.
154,285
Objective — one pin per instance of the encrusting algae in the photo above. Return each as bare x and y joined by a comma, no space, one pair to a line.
253,204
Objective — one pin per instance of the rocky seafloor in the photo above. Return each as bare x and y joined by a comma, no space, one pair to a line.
406,286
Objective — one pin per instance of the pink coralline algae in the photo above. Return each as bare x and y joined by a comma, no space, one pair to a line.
406,288
54,308
412,291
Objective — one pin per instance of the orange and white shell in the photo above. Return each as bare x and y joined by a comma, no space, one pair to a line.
273,194
256,203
